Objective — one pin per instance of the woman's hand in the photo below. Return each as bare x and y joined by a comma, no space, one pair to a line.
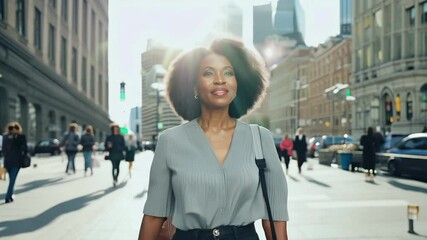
150,227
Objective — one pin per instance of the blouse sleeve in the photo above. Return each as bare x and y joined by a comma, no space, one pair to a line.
277,187
160,200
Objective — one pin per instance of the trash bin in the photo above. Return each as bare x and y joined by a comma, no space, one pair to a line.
346,158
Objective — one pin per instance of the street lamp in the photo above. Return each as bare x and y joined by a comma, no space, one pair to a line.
336,93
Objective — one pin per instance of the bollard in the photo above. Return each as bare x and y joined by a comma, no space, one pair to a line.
413,211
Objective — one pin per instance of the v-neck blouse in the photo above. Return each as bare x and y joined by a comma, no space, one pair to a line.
188,183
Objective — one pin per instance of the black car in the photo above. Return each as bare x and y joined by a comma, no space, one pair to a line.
49,145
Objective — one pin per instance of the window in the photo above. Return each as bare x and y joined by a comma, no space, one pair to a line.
92,82
410,12
409,107
52,3
76,16
424,12
38,29
397,46
64,56
51,46
100,88
20,17
64,10
93,27
74,65
101,53
2,8
84,22
84,74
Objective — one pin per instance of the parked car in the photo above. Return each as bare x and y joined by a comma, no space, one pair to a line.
313,146
414,148
329,140
148,145
48,145
391,140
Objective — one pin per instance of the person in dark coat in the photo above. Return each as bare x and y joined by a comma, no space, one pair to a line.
115,145
300,146
69,143
87,141
368,143
131,147
14,149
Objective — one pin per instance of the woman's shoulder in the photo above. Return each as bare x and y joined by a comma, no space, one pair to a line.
184,128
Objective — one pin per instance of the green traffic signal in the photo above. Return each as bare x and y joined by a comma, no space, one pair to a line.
348,92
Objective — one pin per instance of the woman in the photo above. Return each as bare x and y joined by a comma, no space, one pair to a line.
115,145
203,173
286,147
14,148
300,146
69,143
368,143
131,147
87,141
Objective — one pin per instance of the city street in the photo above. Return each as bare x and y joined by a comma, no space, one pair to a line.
324,203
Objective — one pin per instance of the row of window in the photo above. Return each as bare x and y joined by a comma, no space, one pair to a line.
38,23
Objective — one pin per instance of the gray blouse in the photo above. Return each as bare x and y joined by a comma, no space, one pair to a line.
188,183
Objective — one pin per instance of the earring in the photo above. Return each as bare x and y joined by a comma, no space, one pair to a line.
196,97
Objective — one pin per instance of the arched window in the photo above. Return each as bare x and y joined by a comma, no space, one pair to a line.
375,111
409,110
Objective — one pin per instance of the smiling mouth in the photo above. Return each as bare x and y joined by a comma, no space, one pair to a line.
219,92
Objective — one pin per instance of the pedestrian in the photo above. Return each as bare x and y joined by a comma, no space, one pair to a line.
115,145
69,143
368,143
14,149
286,147
204,174
424,129
131,147
88,141
300,146
379,140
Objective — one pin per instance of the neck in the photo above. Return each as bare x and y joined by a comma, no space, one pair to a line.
216,121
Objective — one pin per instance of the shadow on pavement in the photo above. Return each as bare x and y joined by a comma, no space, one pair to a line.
10,228
407,187
141,195
39,183
293,178
312,180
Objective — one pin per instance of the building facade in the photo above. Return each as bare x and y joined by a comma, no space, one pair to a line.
155,108
135,122
287,93
346,18
54,66
390,65
329,114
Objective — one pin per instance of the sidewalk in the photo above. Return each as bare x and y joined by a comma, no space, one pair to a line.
324,203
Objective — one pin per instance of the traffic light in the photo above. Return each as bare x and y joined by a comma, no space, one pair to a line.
122,91
348,92
124,130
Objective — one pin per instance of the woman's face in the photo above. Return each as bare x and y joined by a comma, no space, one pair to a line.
217,83
116,130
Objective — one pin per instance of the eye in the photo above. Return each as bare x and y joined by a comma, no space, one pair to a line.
229,73
207,73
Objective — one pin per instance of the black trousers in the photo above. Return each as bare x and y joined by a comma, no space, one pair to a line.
220,233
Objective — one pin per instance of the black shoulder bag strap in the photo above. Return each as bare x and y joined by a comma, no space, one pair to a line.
260,162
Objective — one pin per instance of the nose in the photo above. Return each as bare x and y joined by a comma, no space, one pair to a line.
219,80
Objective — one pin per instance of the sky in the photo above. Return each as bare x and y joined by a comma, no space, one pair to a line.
180,24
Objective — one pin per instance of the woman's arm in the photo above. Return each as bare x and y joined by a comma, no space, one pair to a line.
281,230
150,227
